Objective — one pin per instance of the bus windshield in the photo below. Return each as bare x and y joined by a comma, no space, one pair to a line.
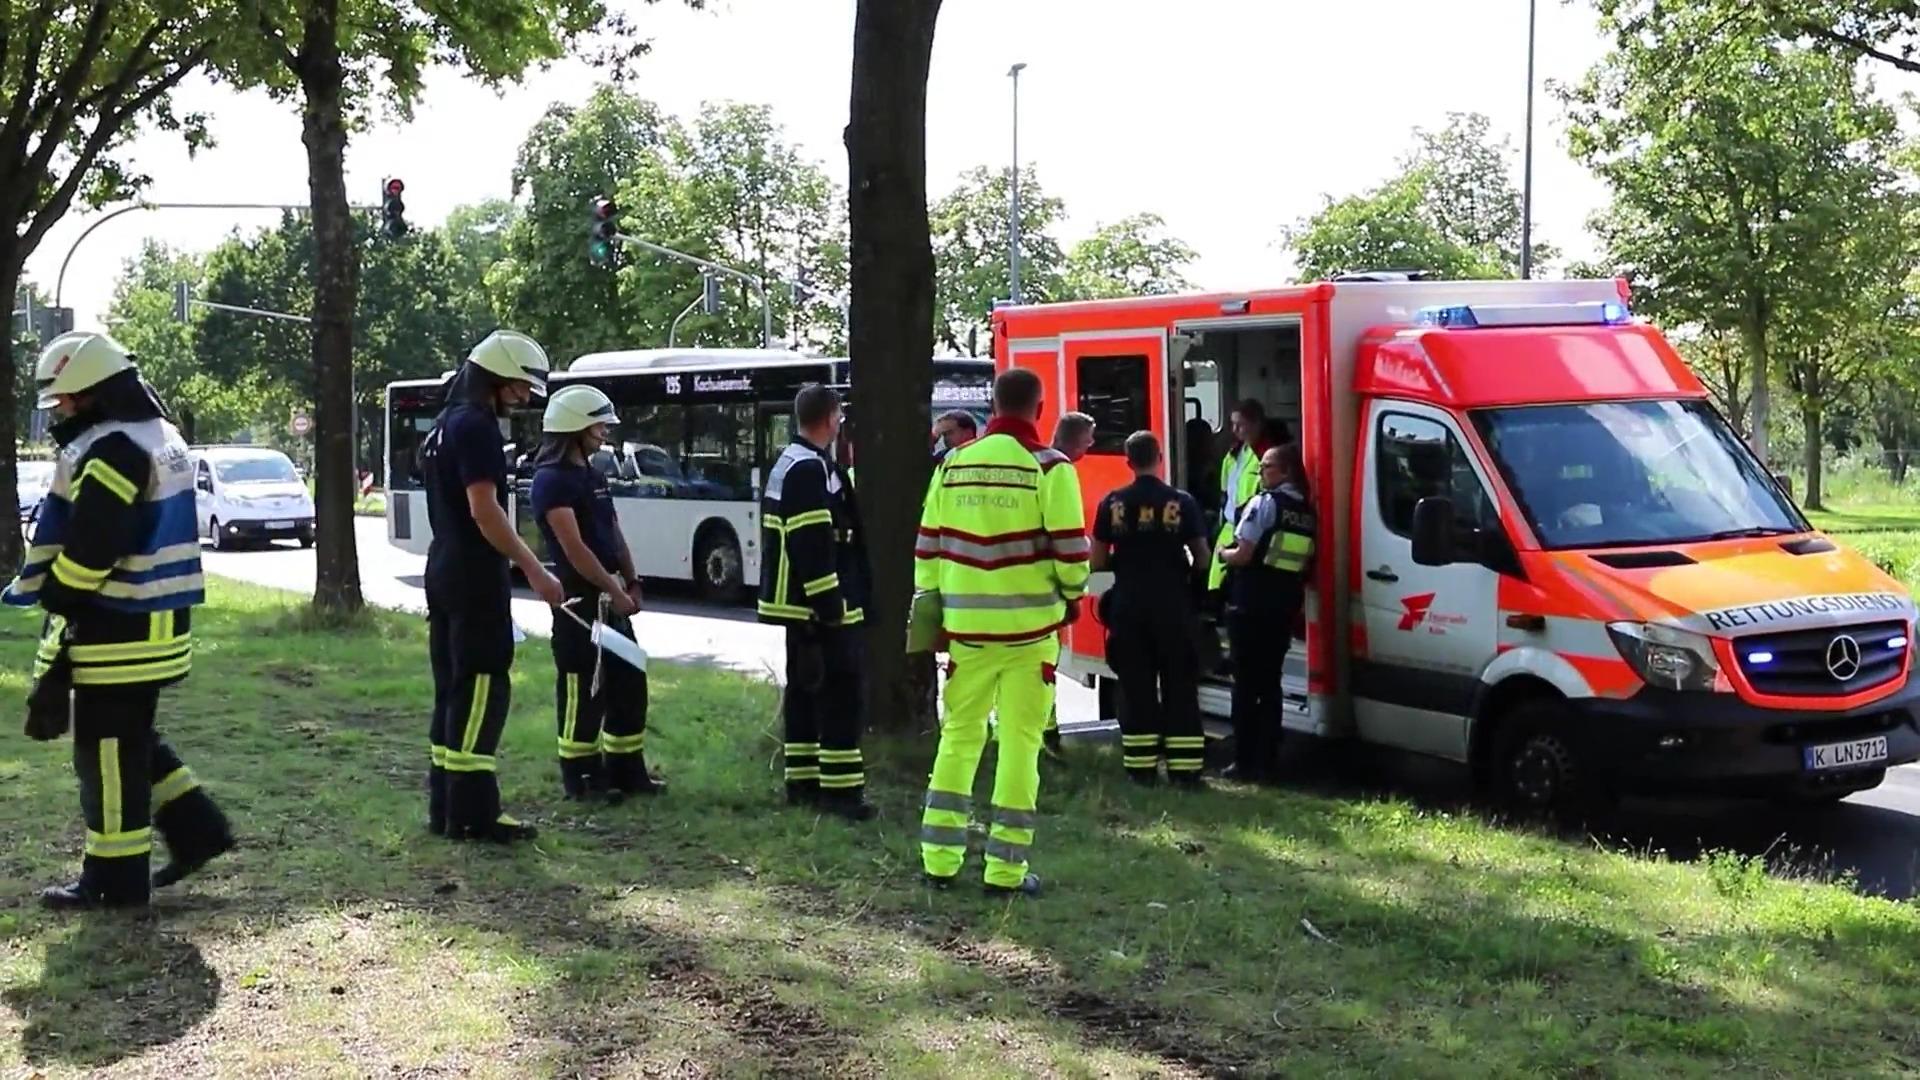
1621,474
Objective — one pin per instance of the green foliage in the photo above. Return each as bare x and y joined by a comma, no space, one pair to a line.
728,188
1134,256
230,374
970,252
1453,211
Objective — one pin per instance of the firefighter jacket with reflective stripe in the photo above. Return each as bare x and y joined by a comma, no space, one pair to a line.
1283,552
1003,538
115,557
814,567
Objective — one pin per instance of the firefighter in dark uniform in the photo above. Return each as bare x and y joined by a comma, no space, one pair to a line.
115,564
814,583
1151,535
469,591
1269,564
601,700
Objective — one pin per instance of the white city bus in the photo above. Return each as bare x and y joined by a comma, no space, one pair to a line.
698,429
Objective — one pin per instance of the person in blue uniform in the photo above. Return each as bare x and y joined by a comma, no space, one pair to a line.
1269,564
1151,535
813,582
115,564
469,587
601,699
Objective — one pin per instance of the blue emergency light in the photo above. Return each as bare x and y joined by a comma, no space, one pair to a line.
1465,316
1762,657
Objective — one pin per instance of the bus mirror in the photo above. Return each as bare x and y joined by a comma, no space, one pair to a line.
1433,532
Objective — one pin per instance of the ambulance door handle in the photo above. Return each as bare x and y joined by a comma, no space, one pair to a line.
1385,573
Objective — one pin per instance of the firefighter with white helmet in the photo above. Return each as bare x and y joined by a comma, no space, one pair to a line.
469,587
601,699
115,564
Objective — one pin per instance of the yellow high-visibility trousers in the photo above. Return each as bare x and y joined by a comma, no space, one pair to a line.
1017,682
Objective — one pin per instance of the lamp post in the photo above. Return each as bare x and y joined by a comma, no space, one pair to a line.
1013,207
1526,171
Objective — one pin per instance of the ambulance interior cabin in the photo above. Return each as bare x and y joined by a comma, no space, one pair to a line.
1219,368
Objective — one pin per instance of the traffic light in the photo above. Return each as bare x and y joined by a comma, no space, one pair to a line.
182,293
393,211
603,230
709,294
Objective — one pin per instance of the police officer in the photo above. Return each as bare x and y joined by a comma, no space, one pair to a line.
115,563
815,584
1270,560
1150,535
469,591
601,700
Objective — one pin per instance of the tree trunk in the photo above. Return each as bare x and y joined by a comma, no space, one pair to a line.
11,258
1759,400
335,267
1811,410
891,335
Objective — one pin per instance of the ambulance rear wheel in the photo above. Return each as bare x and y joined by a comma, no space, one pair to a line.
1538,769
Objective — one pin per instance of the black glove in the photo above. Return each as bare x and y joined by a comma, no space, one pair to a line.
50,705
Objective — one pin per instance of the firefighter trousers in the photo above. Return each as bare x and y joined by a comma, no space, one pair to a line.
601,722
1150,646
131,781
823,713
1017,682
471,649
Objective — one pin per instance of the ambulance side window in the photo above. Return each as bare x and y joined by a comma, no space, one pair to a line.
1418,458
1113,390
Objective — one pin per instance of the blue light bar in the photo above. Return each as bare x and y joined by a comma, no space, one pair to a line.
1762,657
1897,642
1464,316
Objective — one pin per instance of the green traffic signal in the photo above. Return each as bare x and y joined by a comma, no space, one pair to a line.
599,251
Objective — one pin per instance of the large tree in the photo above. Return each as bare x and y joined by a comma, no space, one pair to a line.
77,79
341,59
1135,256
728,188
892,326
1451,209
970,250
1736,161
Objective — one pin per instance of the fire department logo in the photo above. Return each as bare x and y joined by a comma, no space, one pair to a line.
1416,610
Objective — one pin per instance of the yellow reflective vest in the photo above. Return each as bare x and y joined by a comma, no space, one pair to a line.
1003,538
1235,493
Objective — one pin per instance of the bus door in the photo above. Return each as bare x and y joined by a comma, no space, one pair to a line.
1118,377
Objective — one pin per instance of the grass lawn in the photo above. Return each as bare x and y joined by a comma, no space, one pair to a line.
1889,534
714,933
374,505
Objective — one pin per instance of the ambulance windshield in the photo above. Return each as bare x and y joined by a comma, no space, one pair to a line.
1628,473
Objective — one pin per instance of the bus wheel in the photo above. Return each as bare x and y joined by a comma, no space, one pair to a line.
718,569
1538,768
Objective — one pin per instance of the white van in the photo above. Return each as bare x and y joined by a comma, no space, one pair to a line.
250,493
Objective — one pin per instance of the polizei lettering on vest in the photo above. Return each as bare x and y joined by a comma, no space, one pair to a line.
1772,611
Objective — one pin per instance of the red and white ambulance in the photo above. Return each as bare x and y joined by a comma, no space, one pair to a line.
1543,552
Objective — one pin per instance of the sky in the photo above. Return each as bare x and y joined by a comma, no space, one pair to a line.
1230,118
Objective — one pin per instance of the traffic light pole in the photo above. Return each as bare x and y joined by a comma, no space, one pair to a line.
59,284
754,281
353,380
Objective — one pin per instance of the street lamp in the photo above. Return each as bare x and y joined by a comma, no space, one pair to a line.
1013,208
1526,173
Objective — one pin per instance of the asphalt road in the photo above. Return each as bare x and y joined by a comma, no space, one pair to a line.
1874,836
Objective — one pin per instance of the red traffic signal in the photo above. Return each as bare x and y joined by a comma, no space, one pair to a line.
396,186
604,209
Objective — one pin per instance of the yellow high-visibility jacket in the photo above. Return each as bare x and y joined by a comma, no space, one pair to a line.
1003,538
1234,497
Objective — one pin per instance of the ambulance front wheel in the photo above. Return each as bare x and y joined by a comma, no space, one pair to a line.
1539,769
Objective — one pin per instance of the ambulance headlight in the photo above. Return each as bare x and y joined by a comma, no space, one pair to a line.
1666,657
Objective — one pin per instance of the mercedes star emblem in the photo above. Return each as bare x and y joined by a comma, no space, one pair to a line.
1843,657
